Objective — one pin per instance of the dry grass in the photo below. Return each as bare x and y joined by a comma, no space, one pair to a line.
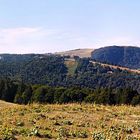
117,67
4,104
70,121
78,52
71,65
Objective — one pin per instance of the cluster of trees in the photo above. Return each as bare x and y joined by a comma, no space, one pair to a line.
45,94
10,91
21,93
96,76
33,68
52,70
128,56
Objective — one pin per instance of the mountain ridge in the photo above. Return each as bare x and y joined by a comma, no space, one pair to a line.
127,56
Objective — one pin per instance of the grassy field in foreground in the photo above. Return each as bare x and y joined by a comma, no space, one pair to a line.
70,121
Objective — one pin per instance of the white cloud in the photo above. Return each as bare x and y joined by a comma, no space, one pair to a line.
11,36
24,39
40,40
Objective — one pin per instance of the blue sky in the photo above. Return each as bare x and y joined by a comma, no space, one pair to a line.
42,26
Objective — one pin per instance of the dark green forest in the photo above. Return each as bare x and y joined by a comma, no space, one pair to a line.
47,79
128,56
25,94
51,70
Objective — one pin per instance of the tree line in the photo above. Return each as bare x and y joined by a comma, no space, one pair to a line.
22,93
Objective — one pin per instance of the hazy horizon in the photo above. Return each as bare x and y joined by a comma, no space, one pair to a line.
49,26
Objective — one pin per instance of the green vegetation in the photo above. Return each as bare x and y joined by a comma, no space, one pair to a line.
71,65
54,93
60,71
55,79
120,55
21,93
69,121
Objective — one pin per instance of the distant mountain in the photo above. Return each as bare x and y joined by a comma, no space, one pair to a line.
127,56
77,52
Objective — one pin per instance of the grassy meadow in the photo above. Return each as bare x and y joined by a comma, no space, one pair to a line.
69,121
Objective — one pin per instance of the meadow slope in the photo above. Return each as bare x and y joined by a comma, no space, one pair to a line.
69,121
77,52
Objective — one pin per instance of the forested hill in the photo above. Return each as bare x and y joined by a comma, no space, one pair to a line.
127,56
54,70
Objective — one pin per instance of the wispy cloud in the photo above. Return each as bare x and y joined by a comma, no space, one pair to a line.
38,40
12,35
41,40
24,39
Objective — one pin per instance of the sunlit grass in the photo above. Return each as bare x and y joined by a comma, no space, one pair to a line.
69,121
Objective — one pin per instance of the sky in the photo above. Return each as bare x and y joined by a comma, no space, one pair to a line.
44,26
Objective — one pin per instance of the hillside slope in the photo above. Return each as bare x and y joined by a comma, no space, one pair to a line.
4,104
70,121
77,52
55,70
127,56
135,71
